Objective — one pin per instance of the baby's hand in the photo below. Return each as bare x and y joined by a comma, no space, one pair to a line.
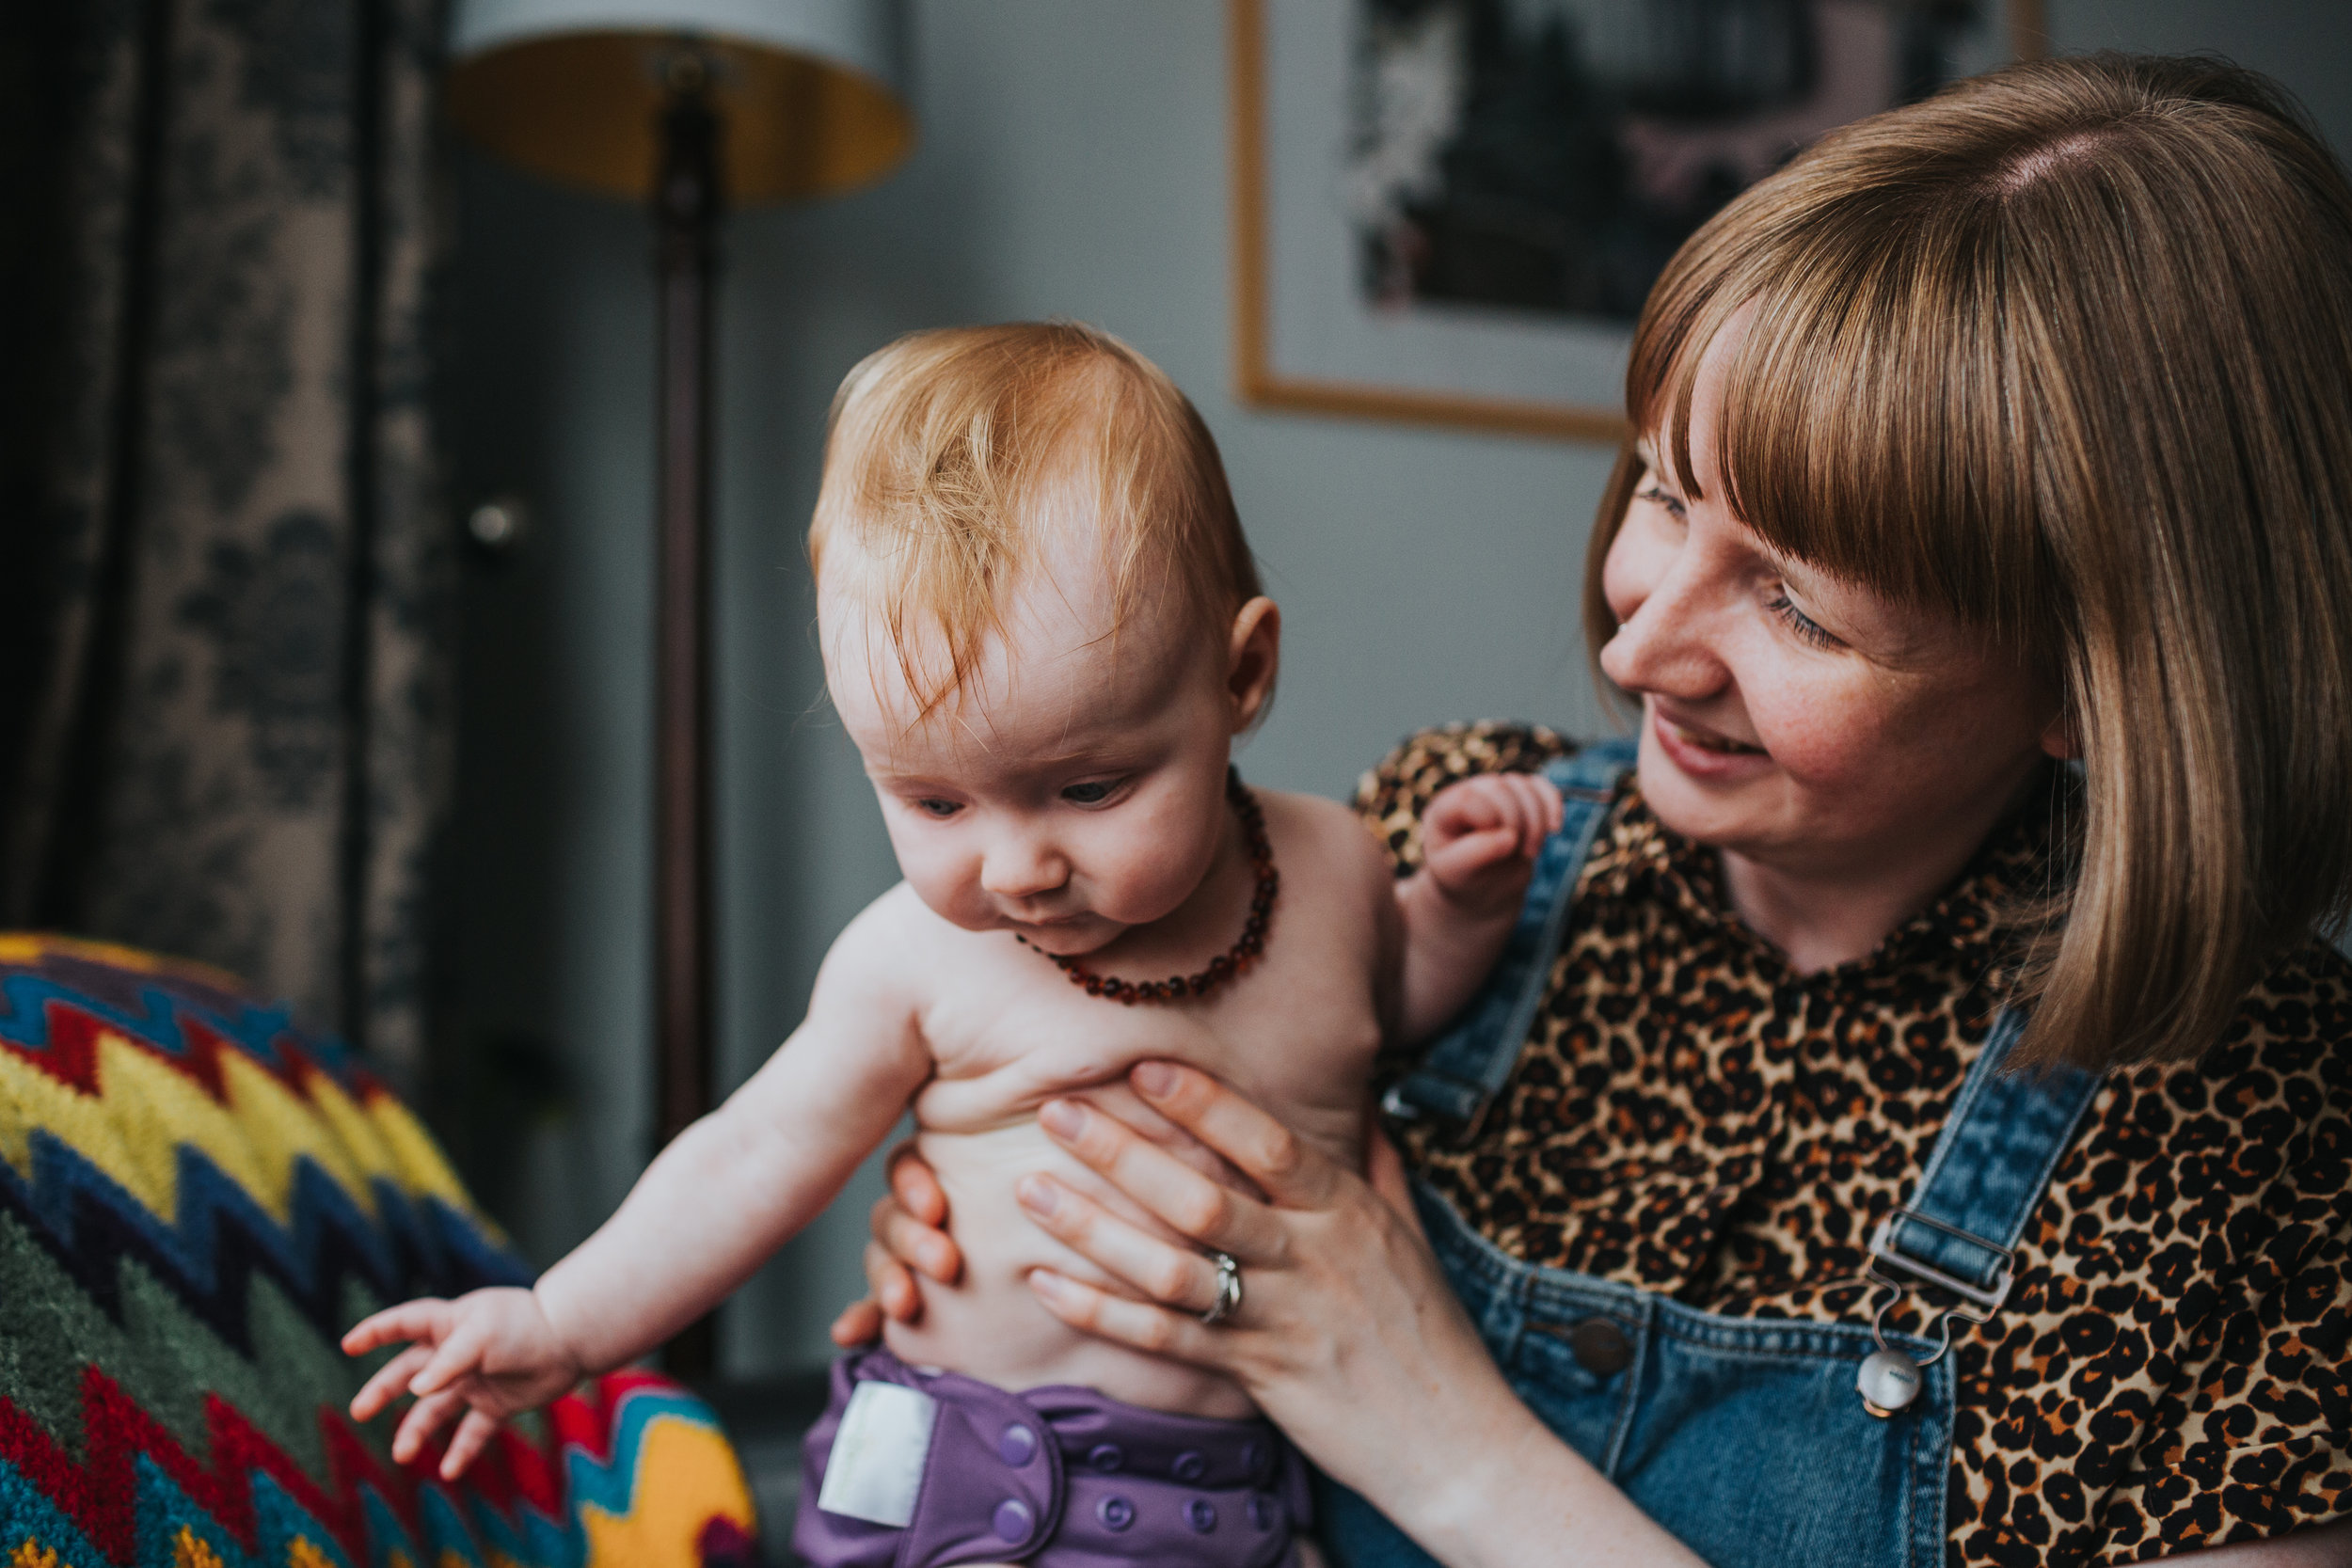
492,1353
1480,836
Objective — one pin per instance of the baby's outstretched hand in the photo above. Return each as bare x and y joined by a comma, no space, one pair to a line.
1480,837
489,1352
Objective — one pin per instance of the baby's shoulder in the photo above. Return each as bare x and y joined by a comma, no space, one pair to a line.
888,952
1326,840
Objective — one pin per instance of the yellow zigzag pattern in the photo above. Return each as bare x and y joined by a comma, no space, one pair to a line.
686,1473
145,1109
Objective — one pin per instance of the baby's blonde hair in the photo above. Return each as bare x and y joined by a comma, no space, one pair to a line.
944,448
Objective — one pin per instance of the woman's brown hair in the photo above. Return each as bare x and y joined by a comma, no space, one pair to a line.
2066,352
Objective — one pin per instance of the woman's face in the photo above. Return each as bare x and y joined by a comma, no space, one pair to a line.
1798,721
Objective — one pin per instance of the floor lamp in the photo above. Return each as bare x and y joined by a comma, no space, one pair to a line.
694,105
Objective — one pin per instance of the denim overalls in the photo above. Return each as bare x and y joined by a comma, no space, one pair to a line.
1746,1439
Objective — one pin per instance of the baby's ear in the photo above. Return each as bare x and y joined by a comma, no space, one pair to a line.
1252,658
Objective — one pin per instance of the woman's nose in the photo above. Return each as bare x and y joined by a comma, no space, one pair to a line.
1021,866
1662,643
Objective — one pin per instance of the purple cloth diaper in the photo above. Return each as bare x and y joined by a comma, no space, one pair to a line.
1060,1478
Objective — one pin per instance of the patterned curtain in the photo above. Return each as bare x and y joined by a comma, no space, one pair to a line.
223,703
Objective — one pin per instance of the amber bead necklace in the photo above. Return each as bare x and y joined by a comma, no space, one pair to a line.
1225,965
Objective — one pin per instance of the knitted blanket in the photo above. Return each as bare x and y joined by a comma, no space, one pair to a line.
197,1199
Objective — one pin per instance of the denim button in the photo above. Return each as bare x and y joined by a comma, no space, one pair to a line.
1012,1520
1189,1465
1106,1456
1601,1347
1261,1511
1017,1447
1115,1513
1202,1515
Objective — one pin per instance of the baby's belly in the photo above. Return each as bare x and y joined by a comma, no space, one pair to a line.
992,1326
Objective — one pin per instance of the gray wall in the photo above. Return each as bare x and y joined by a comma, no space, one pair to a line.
1073,164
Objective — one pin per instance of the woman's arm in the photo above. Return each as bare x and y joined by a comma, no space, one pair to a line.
1348,1335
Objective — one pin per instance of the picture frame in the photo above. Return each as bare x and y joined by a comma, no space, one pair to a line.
1329,319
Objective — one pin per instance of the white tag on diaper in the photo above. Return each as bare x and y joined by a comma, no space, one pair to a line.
876,1466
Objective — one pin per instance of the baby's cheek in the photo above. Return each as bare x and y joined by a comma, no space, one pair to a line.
940,881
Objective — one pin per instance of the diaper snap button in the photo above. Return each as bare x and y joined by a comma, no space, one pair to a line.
1189,1465
1012,1521
1252,1455
1261,1511
1115,1513
1017,1447
1202,1515
1106,1456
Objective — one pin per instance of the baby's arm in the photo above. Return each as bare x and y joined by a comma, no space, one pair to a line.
722,1196
1479,840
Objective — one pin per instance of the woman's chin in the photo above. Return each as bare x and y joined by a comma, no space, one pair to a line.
1715,808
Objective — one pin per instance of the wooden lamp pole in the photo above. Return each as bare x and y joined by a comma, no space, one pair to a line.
627,96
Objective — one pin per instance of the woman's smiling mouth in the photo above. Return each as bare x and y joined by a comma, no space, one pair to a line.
1699,753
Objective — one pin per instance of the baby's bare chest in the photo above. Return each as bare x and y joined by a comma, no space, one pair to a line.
1297,1037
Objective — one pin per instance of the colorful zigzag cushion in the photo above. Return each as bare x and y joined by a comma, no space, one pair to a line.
197,1199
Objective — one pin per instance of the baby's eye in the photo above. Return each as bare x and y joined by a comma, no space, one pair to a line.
933,806
1090,794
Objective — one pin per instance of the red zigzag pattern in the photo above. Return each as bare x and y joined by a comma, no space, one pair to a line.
101,1494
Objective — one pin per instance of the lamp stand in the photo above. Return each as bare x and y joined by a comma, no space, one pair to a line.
685,204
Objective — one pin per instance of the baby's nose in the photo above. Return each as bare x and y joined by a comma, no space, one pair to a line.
1023,868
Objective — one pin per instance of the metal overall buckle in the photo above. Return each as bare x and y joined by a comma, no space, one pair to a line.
1889,1379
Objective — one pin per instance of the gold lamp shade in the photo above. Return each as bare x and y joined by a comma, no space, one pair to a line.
573,89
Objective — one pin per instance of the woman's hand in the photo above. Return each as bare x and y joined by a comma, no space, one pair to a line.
910,1226
1348,1334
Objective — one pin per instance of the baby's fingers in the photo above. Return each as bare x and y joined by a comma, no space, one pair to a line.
411,1320
1540,810
473,1434
460,1354
389,1382
425,1418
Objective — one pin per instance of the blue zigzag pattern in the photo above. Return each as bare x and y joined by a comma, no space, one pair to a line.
156,1024
208,1253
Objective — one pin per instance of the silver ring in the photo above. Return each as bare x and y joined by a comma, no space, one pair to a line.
1227,1289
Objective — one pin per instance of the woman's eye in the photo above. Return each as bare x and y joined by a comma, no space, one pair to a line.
1806,628
1657,496
1092,794
937,808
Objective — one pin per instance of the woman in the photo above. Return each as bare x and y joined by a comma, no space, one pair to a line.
2003,431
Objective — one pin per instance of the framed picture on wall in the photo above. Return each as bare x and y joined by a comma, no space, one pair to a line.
1450,211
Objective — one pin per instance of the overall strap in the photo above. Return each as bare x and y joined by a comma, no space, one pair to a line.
1986,1173
1470,1062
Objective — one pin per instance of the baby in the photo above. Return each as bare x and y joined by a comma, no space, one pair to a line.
1043,628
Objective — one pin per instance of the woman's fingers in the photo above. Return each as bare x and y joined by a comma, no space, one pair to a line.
1147,1327
389,1382
859,1326
471,1435
906,1235
1206,1210
916,1186
1177,1275
1286,1169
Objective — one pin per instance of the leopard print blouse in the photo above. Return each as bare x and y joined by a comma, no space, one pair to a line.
1693,1118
